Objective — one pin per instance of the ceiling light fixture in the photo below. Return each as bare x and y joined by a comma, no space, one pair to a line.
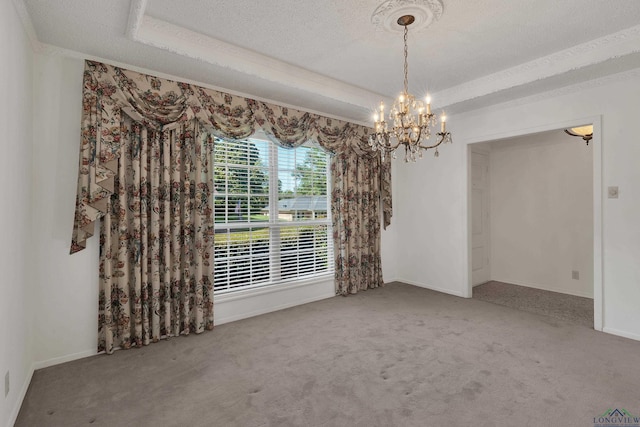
584,132
410,120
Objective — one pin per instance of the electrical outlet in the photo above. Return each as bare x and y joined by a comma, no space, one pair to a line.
6,384
575,275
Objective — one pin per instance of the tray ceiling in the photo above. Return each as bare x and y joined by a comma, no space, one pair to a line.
328,56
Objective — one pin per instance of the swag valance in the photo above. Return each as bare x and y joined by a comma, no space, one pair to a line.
111,93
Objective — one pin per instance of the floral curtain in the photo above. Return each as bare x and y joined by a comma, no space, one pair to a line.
136,129
156,237
111,91
355,211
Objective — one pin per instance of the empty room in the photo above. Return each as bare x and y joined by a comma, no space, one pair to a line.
296,213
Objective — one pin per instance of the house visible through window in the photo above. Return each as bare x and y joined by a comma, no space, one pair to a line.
271,213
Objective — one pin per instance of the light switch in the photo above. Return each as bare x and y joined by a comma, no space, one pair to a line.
613,192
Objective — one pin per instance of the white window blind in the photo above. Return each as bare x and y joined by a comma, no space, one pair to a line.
271,212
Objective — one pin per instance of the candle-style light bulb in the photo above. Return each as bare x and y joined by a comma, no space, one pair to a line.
443,119
428,99
375,117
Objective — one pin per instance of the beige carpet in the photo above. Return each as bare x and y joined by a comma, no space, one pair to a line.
569,308
394,356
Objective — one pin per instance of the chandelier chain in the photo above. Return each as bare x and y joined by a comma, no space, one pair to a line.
406,62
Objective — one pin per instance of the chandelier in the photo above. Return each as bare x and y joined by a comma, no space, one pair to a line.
409,121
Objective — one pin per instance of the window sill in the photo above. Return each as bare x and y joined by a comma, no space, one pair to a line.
268,289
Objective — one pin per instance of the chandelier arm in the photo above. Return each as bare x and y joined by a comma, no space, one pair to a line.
389,147
442,136
393,147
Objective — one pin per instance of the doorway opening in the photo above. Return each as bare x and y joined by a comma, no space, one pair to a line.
534,204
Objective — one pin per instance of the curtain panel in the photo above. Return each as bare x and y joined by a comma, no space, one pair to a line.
156,257
355,213
145,149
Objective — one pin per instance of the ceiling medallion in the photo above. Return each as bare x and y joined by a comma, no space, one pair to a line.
409,120
386,16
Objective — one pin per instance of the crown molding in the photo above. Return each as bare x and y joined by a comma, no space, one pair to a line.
51,50
27,24
612,46
179,40
136,13
540,96
562,91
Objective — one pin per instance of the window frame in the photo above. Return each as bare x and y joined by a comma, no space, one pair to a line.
275,225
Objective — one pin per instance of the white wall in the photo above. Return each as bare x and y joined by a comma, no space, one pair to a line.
16,106
428,216
541,217
432,203
66,286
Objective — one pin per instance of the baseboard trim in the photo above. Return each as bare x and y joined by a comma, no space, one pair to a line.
271,309
620,333
63,359
541,287
13,417
433,288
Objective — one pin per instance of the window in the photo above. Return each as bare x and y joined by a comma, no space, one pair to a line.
271,213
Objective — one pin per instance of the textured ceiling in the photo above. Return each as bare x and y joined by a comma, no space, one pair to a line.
328,56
